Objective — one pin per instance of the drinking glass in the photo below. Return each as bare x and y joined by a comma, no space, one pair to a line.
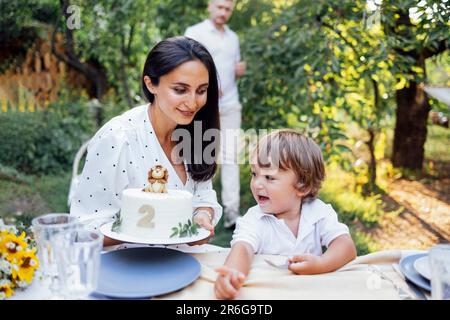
439,258
78,253
46,229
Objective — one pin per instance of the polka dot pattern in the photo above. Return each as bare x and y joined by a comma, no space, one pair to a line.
120,158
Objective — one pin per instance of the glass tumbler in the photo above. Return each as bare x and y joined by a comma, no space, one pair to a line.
78,252
46,229
439,259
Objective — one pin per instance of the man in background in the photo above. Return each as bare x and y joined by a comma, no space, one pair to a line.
223,44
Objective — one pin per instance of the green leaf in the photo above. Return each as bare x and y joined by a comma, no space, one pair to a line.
183,234
117,223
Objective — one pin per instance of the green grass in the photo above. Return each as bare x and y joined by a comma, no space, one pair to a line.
436,145
23,201
352,208
54,191
363,242
339,189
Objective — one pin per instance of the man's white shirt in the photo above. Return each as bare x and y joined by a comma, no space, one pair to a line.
224,48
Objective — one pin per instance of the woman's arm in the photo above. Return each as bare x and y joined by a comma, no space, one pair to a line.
105,174
205,198
341,251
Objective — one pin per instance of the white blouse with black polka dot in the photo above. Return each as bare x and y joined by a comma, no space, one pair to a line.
119,157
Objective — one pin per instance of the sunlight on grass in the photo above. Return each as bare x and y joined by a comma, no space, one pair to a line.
363,242
339,190
437,144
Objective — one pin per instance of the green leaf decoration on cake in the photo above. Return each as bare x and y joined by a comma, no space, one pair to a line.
117,223
188,229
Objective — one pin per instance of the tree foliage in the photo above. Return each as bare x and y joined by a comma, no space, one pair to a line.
311,65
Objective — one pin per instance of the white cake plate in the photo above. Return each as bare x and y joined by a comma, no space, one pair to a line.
106,230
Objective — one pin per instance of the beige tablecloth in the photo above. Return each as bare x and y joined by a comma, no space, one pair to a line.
353,281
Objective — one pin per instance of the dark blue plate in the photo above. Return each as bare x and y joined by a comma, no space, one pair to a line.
407,268
145,272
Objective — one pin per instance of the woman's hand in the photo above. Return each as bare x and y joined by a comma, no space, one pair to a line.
306,264
228,282
203,220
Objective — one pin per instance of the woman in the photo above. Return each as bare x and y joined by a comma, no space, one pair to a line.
180,82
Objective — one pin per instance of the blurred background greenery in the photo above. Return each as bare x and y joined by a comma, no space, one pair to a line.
350,74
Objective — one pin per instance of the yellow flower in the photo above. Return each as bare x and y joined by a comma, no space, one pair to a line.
27,263
6,289
11,245
19,261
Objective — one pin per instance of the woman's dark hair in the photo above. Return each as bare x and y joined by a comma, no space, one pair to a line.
162,59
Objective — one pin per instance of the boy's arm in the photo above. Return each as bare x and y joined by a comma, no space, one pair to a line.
232,274
240,257
340,251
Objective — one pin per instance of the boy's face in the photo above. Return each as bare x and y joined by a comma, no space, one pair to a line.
273,189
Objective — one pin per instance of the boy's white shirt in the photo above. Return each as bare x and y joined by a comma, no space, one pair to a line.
266,234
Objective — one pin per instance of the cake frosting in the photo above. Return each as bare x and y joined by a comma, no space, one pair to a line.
154,215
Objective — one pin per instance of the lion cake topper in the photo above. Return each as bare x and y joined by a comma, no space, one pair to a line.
157,179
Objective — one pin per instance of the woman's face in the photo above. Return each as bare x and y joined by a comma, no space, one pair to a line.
182,92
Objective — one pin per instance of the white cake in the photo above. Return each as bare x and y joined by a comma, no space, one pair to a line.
153,215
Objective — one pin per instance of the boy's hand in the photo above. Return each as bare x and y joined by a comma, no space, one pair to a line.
306,264
228,283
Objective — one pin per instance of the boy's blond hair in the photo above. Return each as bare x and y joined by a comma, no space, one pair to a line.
290,149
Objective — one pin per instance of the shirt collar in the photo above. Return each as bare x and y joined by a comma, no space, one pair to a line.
310,215
312,211
212,28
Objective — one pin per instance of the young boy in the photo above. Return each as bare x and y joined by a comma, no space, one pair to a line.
287,172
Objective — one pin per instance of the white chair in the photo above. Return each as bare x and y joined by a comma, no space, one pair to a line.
75,176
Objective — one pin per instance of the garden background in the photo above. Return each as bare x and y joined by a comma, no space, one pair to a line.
353,75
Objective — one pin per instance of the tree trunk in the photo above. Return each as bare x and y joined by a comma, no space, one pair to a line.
373,160
412,102
98,86
92,70
123,74
410,127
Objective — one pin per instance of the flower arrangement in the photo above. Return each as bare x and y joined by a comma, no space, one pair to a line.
18,260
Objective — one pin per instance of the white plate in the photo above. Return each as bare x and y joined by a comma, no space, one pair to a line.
422,266
106,230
